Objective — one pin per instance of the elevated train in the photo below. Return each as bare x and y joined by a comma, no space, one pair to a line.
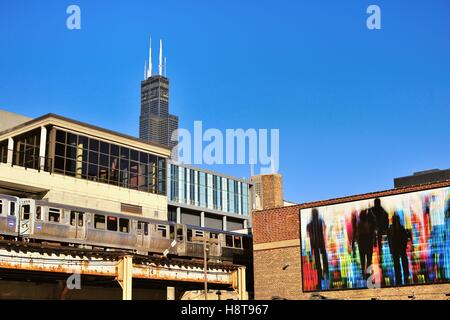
43,221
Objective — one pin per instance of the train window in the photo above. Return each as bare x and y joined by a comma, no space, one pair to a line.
172,232
143,226
228,241
111,225
179,234
189,235
54,215
12,208
80,219
38,213
238,242
213,235
99,222
1,206
162,230
124,225
198,233
73,218
25,211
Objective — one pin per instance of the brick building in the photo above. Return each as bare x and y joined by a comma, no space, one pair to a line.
278,255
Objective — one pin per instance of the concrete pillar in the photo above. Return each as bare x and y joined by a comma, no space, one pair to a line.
9,158
79,161
239,283
245,224
125,276
202,219
224,223
42,147
170,293
178,215
242,284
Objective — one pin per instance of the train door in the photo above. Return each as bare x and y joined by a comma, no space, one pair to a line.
78,220
142,234
215,246
181,239
26,217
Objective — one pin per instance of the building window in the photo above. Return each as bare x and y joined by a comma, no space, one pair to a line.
26,150
87,158
3,151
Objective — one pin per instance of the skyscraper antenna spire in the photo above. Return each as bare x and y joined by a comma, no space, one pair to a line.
160,58
165,67
145,70
150,66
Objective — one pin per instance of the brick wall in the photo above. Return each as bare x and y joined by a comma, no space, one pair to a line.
276,225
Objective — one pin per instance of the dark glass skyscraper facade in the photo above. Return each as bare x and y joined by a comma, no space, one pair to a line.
156,123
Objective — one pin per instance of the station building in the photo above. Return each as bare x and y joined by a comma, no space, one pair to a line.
209,199
61,160
66,161
319,250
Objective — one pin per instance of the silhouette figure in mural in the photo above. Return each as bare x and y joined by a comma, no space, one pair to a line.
366,239
316,233
352,231
398,241
382,225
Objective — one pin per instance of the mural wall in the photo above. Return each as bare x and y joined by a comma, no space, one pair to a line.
381,242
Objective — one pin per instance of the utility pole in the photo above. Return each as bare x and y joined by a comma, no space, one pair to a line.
205,241
205,266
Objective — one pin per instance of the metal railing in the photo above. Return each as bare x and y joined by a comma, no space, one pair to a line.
29,160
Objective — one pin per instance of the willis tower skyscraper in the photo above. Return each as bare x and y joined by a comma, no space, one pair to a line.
156,124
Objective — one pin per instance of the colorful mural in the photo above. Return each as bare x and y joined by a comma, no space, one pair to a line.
389,241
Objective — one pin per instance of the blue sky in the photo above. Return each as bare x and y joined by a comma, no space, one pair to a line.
355,107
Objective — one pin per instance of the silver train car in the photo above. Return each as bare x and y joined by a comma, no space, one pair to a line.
42,221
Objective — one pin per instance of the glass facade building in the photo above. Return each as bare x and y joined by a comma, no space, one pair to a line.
87,158
207,190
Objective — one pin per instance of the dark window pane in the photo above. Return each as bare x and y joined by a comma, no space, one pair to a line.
71,139
93,145
124,165
84,155
124,153
70,166
93,171
104,160
84,141
114,150
59,150
93,157
60,136
143,157
59,163
104,147
71,152
134,155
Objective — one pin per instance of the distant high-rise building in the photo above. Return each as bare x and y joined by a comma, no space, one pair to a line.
156,123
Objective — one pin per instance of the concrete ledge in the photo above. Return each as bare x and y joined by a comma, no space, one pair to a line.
277,245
